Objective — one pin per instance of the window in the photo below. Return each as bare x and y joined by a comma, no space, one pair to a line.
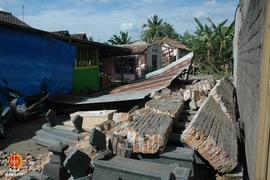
87,56
154,62
128,66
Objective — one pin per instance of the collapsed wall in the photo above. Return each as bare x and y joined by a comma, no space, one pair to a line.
212,131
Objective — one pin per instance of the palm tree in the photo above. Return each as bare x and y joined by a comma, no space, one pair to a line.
169,31
123,38
153,29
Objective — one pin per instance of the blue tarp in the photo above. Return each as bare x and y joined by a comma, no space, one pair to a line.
29,59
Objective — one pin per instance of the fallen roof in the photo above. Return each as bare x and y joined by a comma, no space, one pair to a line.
136,91
159,79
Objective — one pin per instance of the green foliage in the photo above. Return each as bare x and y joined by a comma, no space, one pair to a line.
123,38
212,47
156,28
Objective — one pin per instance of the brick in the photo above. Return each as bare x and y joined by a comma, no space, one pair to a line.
149,131
121,117
214,136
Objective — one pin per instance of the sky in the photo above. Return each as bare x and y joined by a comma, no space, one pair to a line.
101,19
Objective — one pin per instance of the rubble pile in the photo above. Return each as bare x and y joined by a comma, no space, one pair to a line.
150,128
163,135
30,163
212,131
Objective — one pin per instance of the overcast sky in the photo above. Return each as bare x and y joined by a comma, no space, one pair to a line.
103,18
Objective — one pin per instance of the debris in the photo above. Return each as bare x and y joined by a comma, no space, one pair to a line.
192,94
103,154
35,176
184,157
97,139
223,93
205,85
77,163
172,108
124,168
149,131
77,122
165,93
55,171
121,117
214,136
50,118
193,105
48,136
91,118
54,168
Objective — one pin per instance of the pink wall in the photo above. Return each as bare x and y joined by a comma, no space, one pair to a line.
108,66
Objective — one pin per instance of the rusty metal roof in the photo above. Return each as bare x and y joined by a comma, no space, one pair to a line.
155,81
9,18
159,79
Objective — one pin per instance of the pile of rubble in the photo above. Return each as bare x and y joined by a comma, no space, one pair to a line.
30,163
181,133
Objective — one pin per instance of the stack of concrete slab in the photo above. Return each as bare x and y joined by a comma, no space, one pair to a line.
212,131
124,168
184,157
48,136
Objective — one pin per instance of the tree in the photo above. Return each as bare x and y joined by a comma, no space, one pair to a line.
153,29
212,47
156,28
169,31
123,38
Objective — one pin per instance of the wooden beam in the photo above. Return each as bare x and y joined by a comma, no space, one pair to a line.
263,135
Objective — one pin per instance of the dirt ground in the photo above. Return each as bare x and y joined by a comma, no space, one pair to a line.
19,138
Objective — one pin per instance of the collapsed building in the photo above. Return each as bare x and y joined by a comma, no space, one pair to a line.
182,127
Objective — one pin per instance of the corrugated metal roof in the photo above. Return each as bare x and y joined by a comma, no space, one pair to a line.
136,91
159,79
9,18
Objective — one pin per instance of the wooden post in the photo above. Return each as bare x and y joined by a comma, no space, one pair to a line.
263,138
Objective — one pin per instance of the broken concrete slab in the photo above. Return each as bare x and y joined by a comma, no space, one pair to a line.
55,171
91,118
77,122
214,136
97,139
48,136
184,157
124,168
77,163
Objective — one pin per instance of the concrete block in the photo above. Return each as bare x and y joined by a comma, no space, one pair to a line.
77,163
77,122
129,169
97,139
